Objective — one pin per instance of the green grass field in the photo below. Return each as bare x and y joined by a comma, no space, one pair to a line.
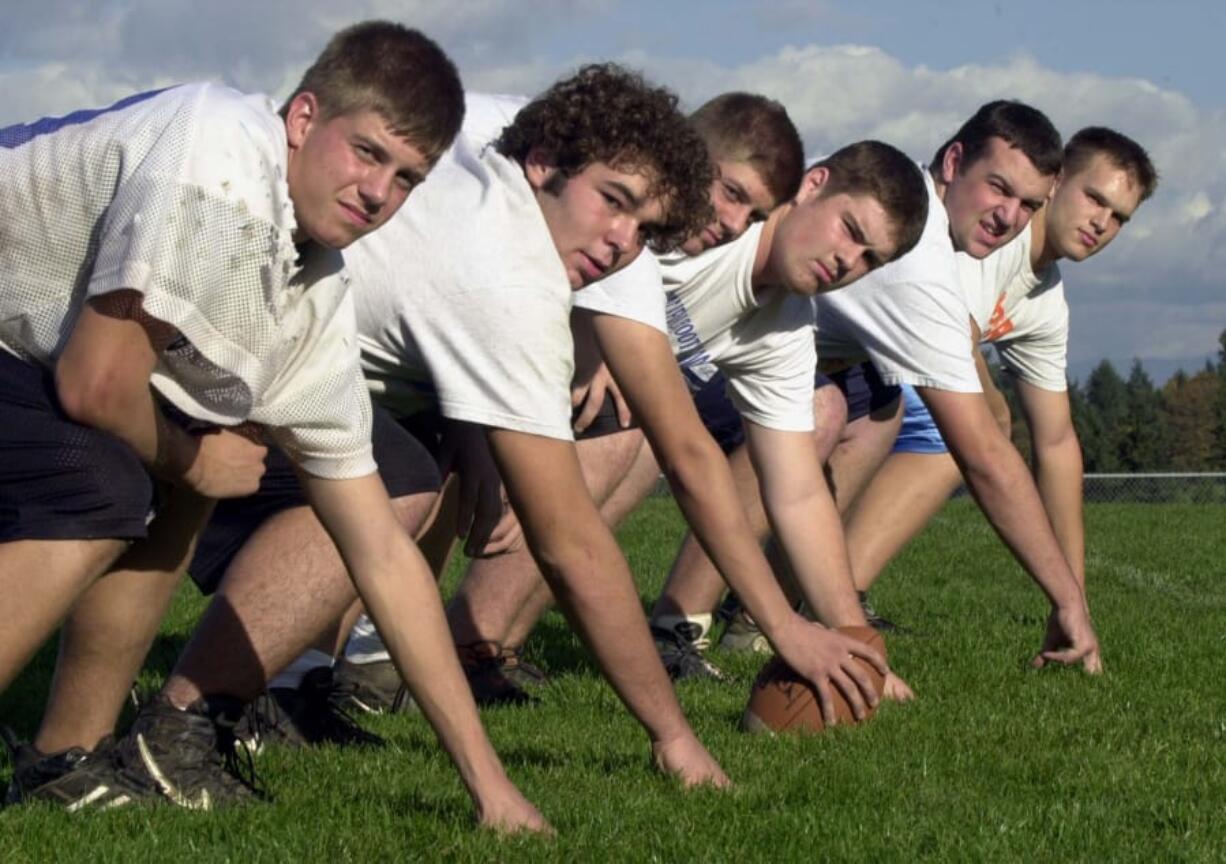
994,762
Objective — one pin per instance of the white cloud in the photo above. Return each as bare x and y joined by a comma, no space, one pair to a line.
1159,287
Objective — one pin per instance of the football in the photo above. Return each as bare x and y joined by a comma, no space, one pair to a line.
781,701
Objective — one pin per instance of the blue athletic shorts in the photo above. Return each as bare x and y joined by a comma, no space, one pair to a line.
863,389
405,465
919,433
59,479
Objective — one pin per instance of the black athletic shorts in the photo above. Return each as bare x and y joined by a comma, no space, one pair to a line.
864,390
59,479
406,466
720,416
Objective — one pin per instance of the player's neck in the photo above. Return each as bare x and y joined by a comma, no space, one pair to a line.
764,275
1042,253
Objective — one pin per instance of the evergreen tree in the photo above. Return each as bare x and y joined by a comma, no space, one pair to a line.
1107,413
1142,445
1219,461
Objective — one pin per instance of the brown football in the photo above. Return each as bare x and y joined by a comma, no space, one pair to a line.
781,701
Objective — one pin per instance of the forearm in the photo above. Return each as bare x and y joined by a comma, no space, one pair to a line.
1058,475
811,533
398,591
707,495
998,479
584,567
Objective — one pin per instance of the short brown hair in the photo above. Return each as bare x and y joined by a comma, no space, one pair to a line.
1018,125
1123,152
746,127
395,71
606,113
887,174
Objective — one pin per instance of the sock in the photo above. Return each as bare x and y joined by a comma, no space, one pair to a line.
291,676
364,645
695,629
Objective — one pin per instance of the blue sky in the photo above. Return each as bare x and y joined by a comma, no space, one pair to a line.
905,72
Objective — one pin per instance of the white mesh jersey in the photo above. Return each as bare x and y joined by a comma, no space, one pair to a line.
910,317
463,303
635,292
1022,313
761,340
181,195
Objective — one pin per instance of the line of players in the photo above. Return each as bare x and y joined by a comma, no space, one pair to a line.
187,363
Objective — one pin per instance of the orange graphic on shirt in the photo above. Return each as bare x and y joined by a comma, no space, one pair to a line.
999,324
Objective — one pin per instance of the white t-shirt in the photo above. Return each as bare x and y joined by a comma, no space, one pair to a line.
1023,314
762,341
635,292
910,317
180,195
463,303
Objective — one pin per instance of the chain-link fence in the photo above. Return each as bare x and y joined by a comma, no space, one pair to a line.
1167,488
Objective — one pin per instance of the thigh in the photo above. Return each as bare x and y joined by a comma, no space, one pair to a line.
59,479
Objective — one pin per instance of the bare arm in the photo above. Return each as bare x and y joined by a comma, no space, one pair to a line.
998,478
704,489
1057,468
399,592
102,380
585,569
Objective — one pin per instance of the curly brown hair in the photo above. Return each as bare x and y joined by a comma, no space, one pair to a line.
607,113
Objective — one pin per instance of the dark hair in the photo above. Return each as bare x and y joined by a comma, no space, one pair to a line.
888,175
746,127
606,113
1123,152
1019,125
393,70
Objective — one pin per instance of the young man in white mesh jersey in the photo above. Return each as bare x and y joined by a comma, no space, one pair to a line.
173,298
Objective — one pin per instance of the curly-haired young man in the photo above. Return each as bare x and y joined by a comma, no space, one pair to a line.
752,324
173,298
463,316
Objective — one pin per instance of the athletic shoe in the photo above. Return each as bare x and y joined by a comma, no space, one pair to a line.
485,667
742,634
522,672
875,621
74,779
373,688
190,756
309,714
679,654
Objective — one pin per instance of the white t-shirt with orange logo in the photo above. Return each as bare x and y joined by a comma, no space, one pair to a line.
1022,313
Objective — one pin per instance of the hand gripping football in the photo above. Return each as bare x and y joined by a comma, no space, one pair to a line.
782,701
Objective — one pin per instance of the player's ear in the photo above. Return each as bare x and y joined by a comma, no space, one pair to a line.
300,116
951,162
812,184
539,168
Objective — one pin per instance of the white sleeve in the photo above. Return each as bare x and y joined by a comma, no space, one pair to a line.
635,292
1040,357
914,327
505,358
778,395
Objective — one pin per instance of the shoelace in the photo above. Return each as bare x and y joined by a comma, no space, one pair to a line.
235,761
327,699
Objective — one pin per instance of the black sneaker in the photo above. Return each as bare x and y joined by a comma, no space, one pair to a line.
189,756
373,688
485,667
74,779
681,658
522,672
877,622
309,714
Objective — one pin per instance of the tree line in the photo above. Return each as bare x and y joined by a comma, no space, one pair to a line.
1130,425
